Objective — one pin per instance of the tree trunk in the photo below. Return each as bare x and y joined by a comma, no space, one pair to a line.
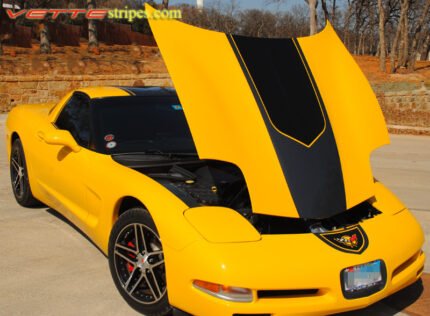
92,28
324,7
346,26
404,47
358,25
381,29
1,35
372,21
333,13
425,50
418,37
45,45
313,21
394,46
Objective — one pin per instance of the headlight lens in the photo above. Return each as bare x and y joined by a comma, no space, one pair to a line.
229,293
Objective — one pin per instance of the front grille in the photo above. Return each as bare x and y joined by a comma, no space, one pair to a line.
286,293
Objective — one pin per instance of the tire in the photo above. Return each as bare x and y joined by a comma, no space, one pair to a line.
19,177
136,263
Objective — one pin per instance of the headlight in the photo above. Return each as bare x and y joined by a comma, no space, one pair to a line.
229,293
364,279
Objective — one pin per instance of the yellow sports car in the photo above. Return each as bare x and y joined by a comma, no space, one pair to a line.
247,192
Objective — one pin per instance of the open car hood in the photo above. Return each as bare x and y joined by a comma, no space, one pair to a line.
297,116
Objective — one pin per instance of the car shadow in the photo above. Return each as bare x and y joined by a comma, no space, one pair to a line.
393,304
65,220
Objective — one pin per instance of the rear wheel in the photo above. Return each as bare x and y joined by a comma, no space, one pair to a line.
19,176
136,262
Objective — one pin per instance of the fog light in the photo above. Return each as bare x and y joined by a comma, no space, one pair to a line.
364,279
229,293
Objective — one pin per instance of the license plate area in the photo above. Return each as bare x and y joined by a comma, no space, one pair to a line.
364,279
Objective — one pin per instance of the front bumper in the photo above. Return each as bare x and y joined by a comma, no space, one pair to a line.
293,262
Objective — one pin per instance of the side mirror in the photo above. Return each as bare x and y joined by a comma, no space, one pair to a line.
60,137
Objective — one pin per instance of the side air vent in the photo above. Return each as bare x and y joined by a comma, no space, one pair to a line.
406,264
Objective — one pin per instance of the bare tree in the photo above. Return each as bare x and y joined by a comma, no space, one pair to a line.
45,44
333,12
165,4
348,16
425,50
92,28
418,36
1,21
395,44
373,6
404,43
313,18
325,10
360,19
381,28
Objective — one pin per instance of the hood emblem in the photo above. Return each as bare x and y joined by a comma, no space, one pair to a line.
352,239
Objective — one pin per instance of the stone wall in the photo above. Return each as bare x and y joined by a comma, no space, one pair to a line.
405,104
39,89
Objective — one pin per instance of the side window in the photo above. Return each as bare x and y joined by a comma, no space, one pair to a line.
75,118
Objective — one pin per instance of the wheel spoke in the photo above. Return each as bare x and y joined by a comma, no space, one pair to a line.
124,257
130,277
136,237
15,165
151,272
21,181
155,253
142,234
17,182
135,284
126,248
157,264
155,258
151,288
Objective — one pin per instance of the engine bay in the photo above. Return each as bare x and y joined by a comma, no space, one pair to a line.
218,183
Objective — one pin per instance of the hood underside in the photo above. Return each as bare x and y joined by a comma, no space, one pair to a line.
297,116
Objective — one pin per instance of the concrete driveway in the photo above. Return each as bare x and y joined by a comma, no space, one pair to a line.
48,268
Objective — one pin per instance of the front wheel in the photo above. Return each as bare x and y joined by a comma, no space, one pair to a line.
19,176
136,262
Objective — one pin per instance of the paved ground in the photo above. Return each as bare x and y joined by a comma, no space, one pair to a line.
48,268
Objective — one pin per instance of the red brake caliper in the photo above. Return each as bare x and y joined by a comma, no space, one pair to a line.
129,266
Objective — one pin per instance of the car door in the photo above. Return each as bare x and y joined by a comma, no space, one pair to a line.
65,176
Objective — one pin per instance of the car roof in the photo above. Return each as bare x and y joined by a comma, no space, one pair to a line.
120,91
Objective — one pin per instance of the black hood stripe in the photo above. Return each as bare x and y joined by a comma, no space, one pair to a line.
297,121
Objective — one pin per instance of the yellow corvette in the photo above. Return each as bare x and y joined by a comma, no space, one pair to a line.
249,192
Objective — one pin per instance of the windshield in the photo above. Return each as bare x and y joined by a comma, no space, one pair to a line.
147,124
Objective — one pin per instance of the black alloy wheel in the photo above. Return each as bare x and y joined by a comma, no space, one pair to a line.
136,262
19,176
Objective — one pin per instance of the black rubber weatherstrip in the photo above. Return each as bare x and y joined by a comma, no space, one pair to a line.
297,121
127,90
149,91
